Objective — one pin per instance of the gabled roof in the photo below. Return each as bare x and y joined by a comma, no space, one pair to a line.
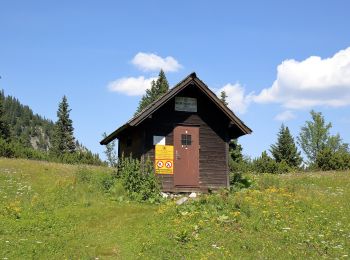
147,111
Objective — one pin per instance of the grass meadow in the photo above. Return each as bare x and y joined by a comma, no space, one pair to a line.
57,211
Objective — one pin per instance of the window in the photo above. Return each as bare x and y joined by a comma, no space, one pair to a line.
186,140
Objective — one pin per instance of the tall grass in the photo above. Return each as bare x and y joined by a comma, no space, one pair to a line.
55,211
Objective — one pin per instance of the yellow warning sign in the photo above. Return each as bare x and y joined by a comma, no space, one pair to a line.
164,159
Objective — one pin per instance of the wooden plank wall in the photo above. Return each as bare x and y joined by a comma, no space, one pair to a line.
136,149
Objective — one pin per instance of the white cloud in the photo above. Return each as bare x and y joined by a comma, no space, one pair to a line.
311,82
236,98
131,86
153,62
285,116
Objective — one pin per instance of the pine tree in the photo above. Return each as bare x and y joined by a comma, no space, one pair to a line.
64,141
4,127
158,88
223,97
285,148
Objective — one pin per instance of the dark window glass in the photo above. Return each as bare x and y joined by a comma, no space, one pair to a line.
186,140
183,139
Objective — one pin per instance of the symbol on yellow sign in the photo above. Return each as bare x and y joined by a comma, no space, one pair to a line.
160,164
168,164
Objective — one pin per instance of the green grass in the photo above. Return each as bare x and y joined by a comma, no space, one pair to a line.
55,211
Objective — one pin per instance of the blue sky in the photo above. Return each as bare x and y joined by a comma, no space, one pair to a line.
88,50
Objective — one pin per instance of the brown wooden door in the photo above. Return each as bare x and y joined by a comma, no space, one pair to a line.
186,164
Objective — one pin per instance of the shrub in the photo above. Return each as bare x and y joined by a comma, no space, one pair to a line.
139,179
16,150
329,160
242,166
265,164
238,181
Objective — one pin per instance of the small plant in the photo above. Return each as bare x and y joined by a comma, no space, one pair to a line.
183,236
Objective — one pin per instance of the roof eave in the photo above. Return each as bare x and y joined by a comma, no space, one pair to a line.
114,134
245,129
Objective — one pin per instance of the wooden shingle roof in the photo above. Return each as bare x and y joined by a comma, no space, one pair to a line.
151,108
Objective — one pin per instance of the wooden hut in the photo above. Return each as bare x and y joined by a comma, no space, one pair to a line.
186,132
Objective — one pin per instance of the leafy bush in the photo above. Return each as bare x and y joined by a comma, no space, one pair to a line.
265,164
329,160
139,179
16,150
239,181
242,166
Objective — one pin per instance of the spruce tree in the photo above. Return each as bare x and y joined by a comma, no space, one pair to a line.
285,148
4,127
223,97
64,141
158,88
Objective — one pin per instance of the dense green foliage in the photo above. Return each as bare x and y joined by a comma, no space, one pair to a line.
56,211
327,159
314,137
27,128
15,149
158,88
4,127
266,164
25,135
324,151
139,179
239,164
285,149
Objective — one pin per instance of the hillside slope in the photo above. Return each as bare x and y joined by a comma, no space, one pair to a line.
55,211
31,130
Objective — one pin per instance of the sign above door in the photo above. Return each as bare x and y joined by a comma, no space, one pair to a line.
185,104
